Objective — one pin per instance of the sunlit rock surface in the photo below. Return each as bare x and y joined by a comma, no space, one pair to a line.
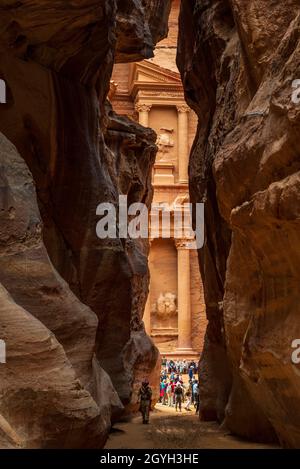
238,61
76,301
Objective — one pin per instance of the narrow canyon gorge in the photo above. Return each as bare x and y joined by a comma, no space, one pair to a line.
71,304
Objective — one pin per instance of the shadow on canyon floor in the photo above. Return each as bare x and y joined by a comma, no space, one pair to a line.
168,429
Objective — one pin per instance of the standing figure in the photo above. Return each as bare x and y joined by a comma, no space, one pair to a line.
165,396
178,396
188,396
162,391
191,372
169,394
145,397
195,393
173,384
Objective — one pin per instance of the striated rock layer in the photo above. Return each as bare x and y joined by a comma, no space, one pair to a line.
71,304
238,61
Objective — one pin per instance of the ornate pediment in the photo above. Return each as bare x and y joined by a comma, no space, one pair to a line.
148,75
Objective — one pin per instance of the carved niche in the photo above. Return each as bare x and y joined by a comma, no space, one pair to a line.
165,141
165,305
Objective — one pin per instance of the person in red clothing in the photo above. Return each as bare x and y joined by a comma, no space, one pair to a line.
173,385
163,386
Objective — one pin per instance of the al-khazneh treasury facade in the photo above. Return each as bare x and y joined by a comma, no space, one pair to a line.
151,92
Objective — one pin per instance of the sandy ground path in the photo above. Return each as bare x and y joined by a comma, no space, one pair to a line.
168,429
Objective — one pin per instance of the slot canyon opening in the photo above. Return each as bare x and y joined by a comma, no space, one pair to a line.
100,103
192,110
151,93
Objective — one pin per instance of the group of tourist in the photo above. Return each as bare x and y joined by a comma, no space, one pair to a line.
174,393
179,366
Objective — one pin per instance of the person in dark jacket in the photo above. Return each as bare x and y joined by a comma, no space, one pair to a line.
145,398
191,373
178,396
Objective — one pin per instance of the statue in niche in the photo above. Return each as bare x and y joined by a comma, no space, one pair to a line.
165,141
165,305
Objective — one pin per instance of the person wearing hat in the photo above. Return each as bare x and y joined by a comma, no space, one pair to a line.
145,397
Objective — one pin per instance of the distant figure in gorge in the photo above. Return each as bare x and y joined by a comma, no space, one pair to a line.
145,397
178,396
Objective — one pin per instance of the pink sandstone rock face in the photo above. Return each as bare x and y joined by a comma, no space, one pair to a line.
49,333
76,301
238,61
140,25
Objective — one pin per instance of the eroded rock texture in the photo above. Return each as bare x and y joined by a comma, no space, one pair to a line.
71,304
238,61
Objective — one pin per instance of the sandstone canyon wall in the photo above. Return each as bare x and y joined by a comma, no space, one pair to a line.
71,304
238,60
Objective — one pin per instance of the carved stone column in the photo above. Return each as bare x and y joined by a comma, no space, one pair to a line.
143,110
147,315
184,300
183,142
147,310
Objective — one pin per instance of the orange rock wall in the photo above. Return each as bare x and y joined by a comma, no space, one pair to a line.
238,61
71,305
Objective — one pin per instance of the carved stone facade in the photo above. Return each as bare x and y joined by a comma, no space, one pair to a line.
151,92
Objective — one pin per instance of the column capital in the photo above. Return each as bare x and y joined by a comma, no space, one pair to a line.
142,107
182,243
182,108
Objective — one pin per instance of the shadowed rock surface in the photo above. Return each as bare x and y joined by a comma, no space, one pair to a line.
238,61
81,299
